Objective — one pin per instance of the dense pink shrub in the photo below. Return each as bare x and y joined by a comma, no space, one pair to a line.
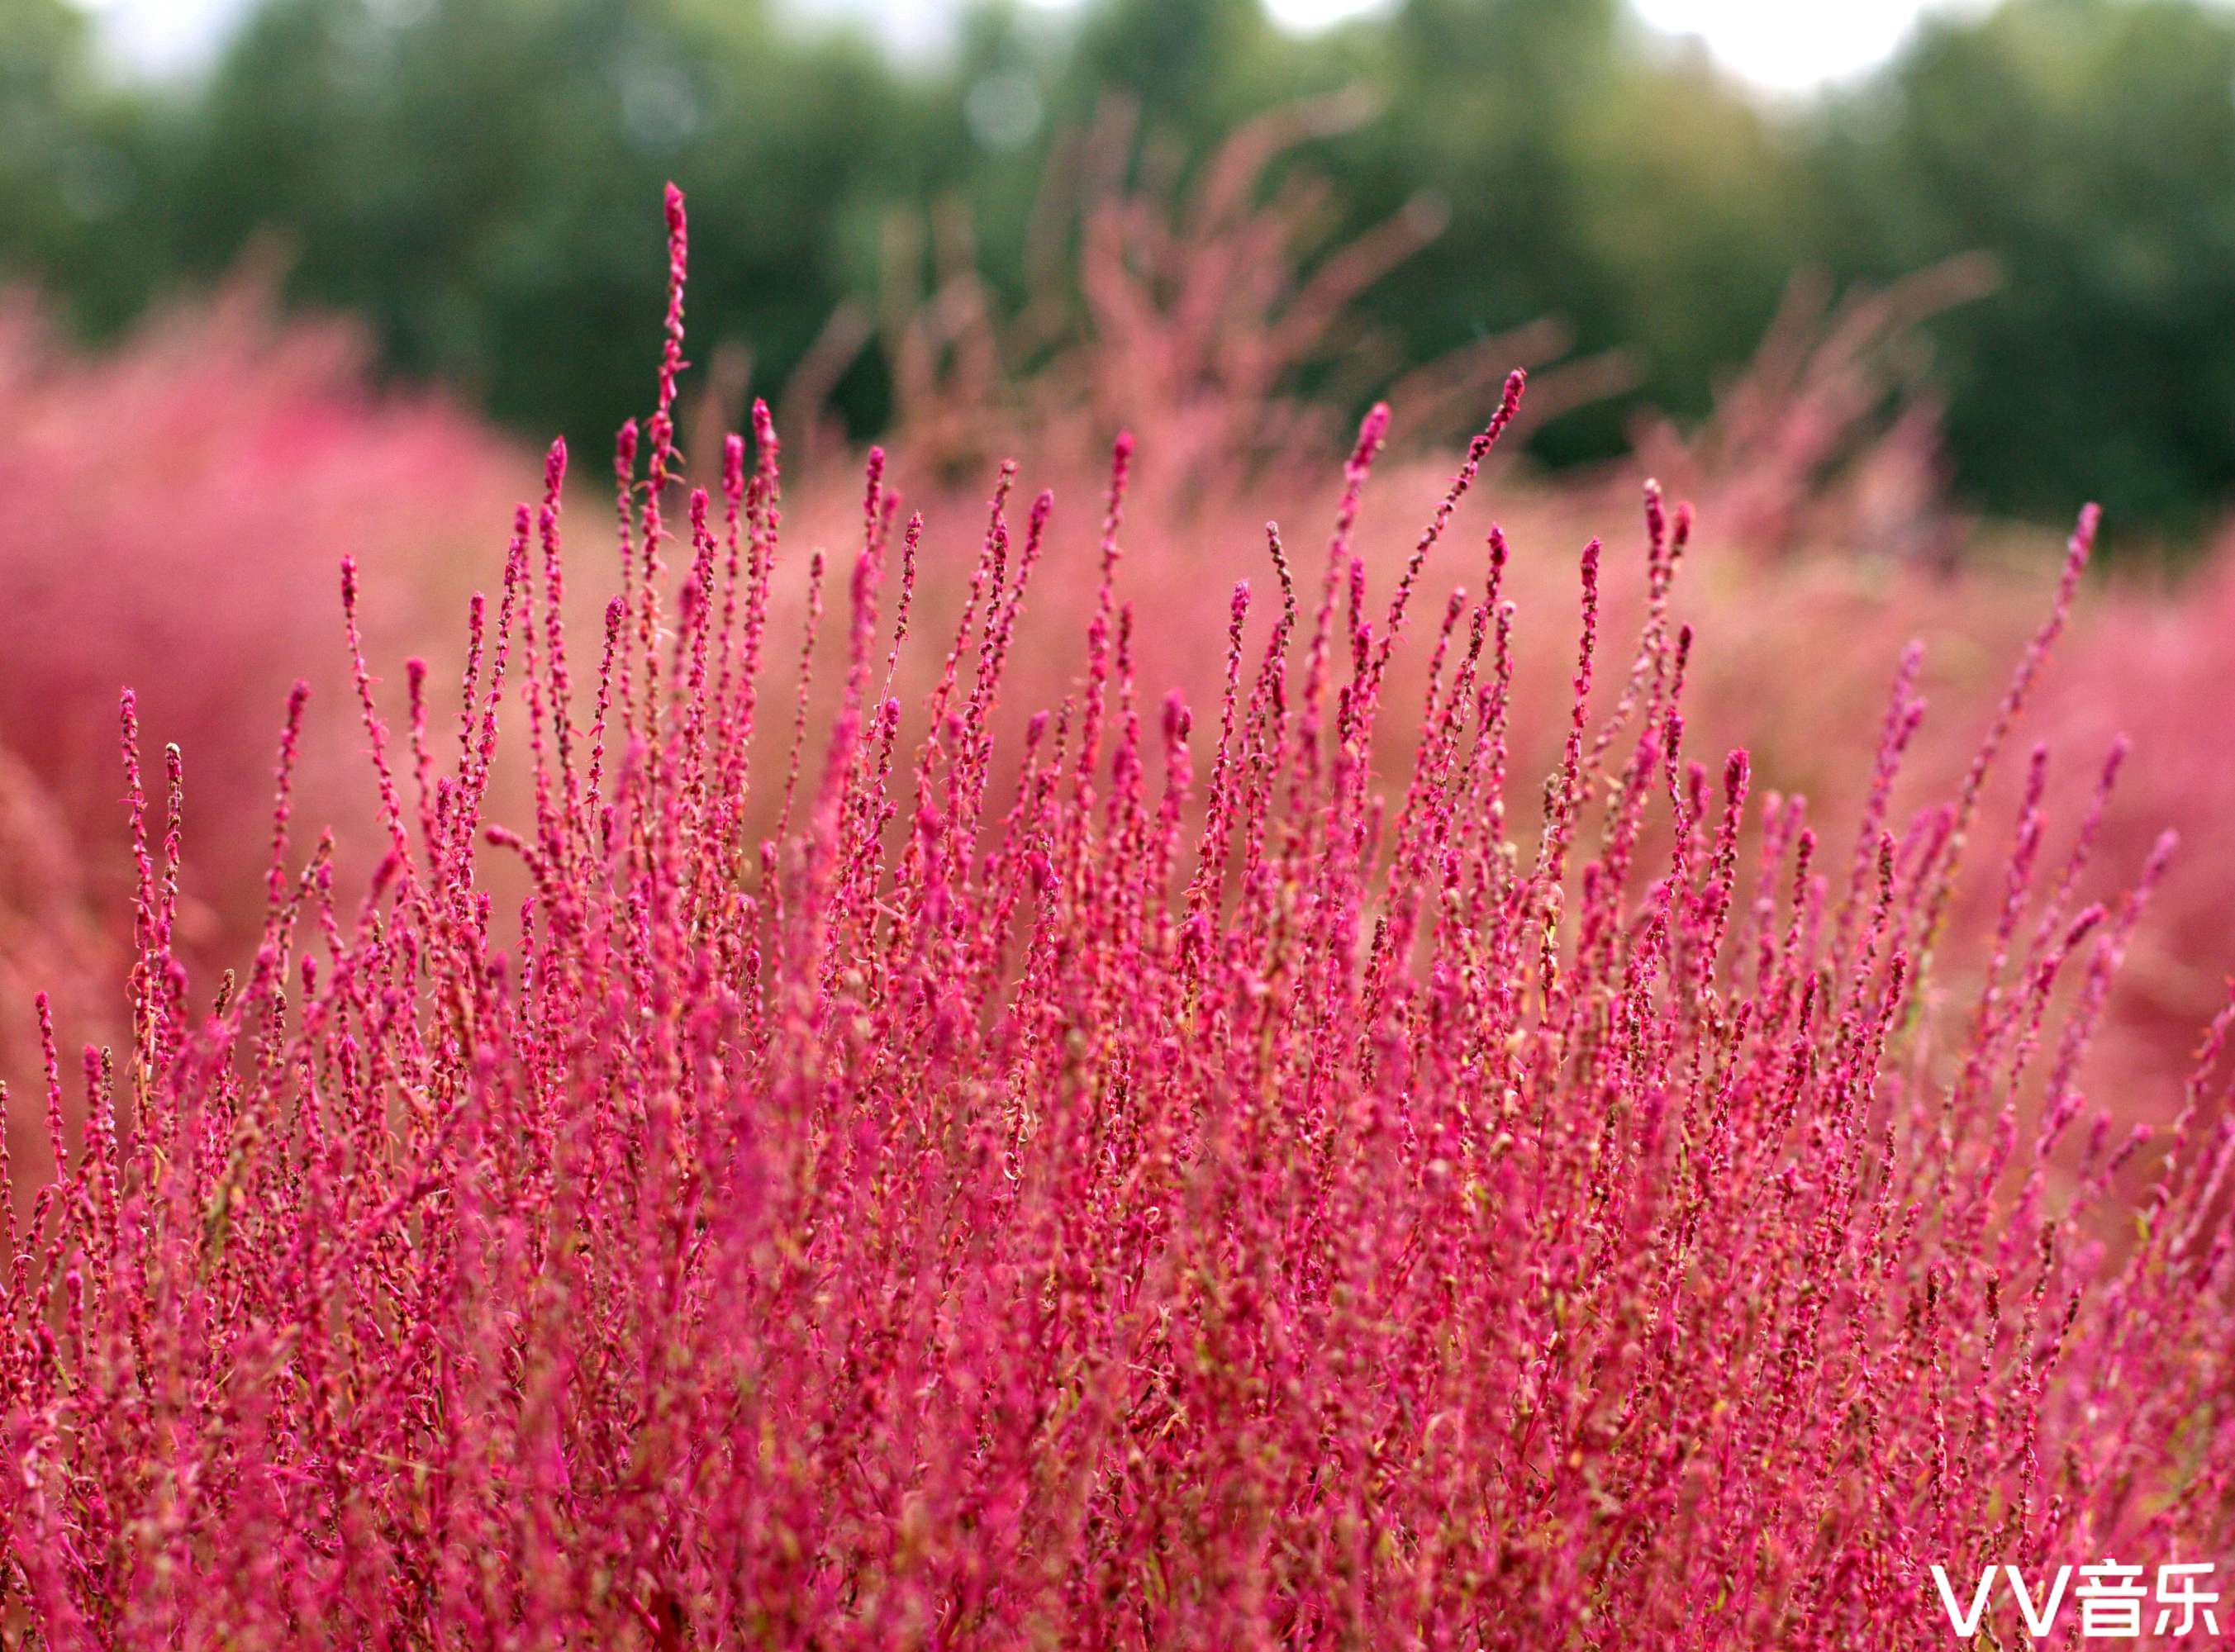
1183,1194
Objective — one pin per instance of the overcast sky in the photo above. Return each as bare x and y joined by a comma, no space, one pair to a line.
1785,45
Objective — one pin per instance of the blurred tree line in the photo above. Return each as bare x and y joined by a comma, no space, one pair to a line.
477,178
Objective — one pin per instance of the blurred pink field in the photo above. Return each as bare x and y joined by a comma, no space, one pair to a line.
173,512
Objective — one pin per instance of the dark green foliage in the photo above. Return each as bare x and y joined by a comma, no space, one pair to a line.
2090,145
474,180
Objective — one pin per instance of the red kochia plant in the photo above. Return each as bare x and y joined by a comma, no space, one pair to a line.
1149,1192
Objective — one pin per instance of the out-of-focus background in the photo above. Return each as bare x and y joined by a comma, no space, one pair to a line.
468,176
1887,290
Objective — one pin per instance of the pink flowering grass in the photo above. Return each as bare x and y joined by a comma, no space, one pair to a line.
1122,1178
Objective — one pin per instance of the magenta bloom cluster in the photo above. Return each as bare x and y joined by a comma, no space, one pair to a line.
1121,1179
